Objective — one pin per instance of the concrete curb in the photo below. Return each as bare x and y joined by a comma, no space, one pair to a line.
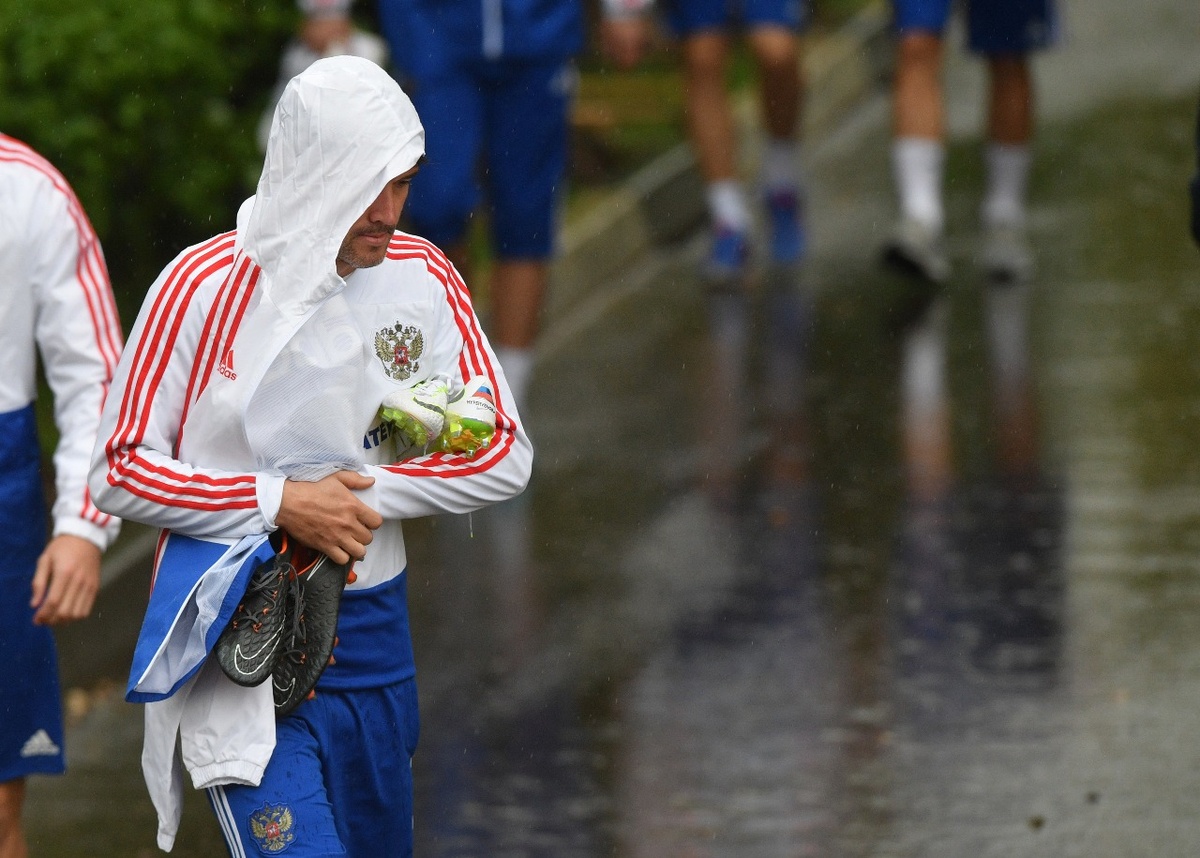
665,199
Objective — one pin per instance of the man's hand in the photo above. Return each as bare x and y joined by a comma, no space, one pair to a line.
625,40
323,32
65,581
328,516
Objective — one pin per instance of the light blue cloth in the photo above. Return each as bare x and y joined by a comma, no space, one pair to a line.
197,587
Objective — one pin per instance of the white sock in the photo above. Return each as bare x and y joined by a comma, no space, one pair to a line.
917,163
781,170
1007,180
518,367
727,205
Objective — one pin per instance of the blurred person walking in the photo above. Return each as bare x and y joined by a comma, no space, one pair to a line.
493,83
57,302
706,30
1005,32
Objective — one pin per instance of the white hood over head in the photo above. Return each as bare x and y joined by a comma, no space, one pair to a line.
297,404
342,130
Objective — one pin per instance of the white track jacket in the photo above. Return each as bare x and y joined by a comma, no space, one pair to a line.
56,298
252,362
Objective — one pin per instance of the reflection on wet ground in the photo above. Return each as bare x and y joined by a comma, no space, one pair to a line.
765,684
922,586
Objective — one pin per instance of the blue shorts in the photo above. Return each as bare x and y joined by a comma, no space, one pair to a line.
497,129
993,26
338,784
686,17
31,732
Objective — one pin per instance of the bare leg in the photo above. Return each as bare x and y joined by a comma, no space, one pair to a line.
781,87
710,116
12,835
1007,255
917,107
518,287
918,155
714,139
1010,109
781,92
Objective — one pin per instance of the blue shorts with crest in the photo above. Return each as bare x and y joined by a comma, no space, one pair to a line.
339,782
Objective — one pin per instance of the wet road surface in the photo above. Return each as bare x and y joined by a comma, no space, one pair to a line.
926,586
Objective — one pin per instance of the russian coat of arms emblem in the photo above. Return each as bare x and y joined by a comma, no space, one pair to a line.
271,825
399,347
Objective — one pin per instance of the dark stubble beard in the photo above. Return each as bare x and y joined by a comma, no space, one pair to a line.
348,256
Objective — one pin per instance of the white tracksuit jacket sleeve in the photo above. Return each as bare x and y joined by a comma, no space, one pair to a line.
74,323
135,473
445,482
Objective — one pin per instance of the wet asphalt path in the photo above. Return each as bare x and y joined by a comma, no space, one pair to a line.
925,586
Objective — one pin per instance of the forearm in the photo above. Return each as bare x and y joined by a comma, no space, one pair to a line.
142,484
77,415
450,483
137,470
79,339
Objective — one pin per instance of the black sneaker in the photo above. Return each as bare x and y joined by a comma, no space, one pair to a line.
311,631
250,645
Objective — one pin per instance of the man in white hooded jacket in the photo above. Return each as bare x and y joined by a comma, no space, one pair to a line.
247,401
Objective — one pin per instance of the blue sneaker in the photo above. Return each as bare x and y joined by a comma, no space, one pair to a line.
728,256
785,214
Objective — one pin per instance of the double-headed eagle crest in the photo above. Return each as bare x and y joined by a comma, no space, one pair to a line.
271,827
399,347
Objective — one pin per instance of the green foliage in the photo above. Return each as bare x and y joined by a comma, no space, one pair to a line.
148,107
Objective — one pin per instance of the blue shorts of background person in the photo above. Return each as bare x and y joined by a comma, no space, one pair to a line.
350,750
692,16
499,129
993,26
31,732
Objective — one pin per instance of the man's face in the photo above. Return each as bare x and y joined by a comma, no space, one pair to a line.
366,243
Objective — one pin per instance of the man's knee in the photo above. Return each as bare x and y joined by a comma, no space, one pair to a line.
920,49
706,55
777,50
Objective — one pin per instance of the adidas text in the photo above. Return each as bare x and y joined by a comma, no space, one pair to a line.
225,367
